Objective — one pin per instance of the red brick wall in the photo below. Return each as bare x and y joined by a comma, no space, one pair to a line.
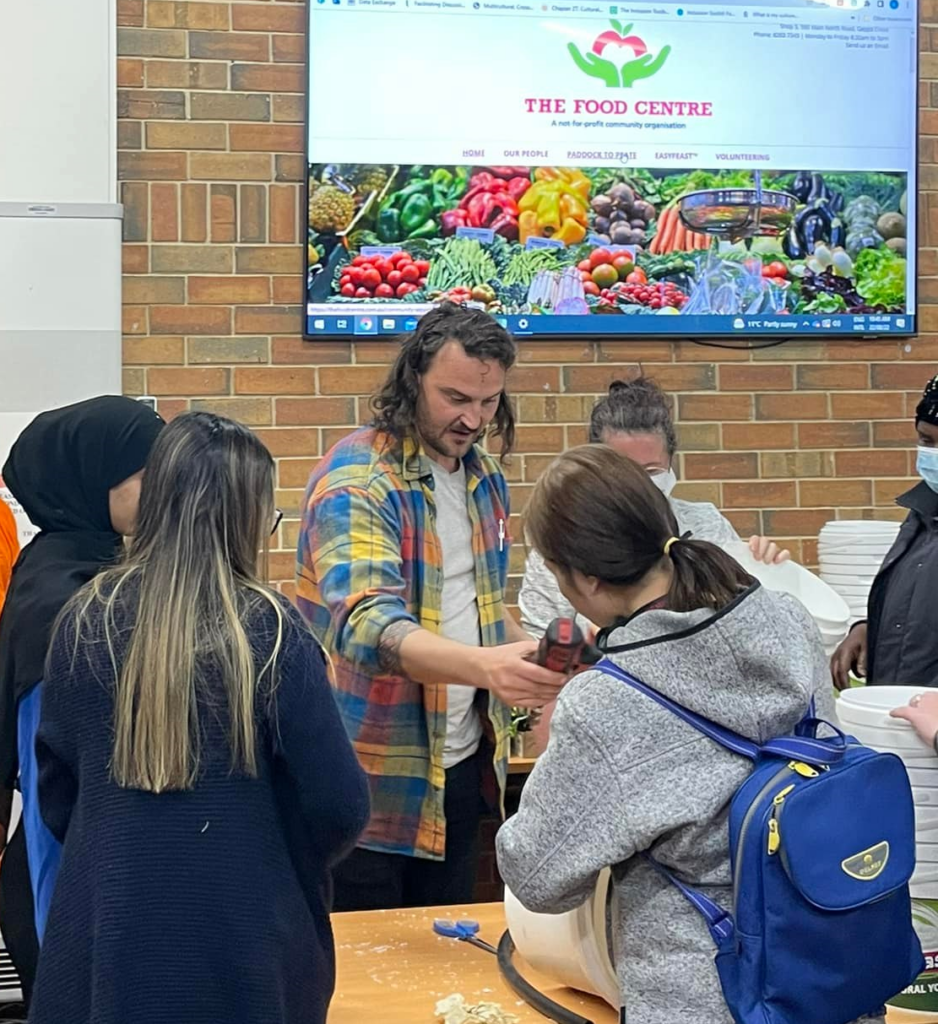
211,167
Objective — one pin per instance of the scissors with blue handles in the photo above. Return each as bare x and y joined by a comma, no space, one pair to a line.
465,931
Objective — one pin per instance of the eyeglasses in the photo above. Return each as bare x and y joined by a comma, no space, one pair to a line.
278,519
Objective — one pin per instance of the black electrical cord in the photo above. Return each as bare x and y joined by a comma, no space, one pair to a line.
536,1000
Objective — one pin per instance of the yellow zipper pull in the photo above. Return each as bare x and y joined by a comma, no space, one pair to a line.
780,796
803,769
775,840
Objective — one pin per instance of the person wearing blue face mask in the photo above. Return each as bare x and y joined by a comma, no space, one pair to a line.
898,643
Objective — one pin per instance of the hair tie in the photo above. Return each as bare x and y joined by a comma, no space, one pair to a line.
674,540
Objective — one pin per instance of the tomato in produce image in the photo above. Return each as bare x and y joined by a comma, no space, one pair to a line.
605,274
624,266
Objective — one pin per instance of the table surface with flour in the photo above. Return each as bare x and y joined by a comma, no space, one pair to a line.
393,969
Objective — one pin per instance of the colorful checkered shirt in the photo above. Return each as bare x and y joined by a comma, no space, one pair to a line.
369,555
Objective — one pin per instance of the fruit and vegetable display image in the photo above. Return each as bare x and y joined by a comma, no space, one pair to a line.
592,241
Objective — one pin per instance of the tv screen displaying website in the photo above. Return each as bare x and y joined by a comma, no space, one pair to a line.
605,169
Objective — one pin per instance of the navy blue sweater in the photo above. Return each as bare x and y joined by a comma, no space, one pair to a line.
208,906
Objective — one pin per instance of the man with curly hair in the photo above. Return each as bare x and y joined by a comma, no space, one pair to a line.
402,567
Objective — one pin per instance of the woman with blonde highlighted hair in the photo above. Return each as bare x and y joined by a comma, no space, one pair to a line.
194,765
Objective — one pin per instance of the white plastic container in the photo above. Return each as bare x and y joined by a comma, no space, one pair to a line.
926,821
850,579
870,705
861,562
573,948
827,607
859,590
863,527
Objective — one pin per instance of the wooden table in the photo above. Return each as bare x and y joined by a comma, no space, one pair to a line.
521,765
392,969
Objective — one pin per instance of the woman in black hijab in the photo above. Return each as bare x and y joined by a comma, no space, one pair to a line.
76,471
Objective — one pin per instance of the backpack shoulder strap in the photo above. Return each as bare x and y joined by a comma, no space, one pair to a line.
719,921
792,748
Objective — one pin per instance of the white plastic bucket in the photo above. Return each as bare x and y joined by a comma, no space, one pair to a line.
889,741
870,706
848,590
926,820
859,527
849,579
573,948
925,881
861,564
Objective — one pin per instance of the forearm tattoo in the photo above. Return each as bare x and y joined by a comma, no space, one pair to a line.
389,645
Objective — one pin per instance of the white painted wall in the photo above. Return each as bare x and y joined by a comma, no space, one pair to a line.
60,315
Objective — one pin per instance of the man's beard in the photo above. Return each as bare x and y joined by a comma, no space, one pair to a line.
443,442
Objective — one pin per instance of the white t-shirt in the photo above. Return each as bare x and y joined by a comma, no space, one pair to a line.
460,608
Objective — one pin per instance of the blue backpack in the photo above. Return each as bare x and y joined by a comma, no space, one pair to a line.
822,847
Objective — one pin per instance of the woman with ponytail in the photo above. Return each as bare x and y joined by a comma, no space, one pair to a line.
621,775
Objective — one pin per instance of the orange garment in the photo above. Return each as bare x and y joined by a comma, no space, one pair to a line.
9,547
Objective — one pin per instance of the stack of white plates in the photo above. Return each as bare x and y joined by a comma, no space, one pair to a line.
850,552
829,610
864,713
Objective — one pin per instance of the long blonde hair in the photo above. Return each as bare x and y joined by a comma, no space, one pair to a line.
190,580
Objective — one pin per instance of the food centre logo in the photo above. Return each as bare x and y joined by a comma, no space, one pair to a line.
601,62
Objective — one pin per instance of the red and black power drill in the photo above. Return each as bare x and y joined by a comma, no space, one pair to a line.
564,648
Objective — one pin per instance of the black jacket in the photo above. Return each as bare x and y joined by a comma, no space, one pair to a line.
902,632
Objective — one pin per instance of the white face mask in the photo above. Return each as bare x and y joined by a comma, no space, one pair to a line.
665,481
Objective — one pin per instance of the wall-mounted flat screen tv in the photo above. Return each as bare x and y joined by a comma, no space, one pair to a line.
697,169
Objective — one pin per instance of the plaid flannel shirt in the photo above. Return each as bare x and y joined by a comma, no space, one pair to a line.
369,555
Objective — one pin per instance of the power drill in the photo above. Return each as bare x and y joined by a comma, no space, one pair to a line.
564,649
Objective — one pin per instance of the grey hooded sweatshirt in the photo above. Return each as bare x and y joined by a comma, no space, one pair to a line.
622,775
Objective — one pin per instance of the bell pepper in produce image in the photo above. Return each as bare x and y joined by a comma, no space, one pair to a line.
558,205
490,202
414,211
571,176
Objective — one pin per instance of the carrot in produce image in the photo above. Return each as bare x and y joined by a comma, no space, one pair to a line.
666,228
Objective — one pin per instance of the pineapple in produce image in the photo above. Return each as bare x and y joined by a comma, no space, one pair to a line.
365,178
331,208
